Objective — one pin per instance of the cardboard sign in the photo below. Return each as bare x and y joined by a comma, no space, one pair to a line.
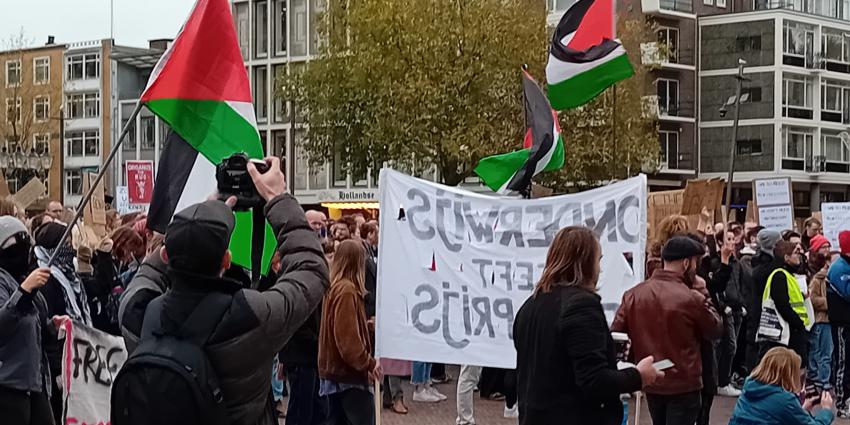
90,361
701,194
455,266
29,193
95,213
4,187
752,217
772,192
661,205
140,181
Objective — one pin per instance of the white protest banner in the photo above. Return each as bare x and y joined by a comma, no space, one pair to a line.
836,217
777,218
90,361
455,267
772,192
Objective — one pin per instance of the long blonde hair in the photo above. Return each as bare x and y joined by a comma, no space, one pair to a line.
350,264
780,366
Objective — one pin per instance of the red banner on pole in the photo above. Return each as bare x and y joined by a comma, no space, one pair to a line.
140,181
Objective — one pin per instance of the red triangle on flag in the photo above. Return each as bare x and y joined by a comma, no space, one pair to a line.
433,263
597,25
204,62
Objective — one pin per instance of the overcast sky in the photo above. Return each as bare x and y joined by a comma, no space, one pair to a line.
136,21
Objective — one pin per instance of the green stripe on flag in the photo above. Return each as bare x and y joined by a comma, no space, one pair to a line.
240,242
213,127
497,170
557,160
582,88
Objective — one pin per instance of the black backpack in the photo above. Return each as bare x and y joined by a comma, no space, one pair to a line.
168,379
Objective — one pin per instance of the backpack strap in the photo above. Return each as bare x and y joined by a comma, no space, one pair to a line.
200,324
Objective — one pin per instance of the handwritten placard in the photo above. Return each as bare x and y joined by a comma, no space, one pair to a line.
661,205
772,192
836,217
777,218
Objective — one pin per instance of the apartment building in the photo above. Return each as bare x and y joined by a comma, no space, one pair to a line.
30,118
796,100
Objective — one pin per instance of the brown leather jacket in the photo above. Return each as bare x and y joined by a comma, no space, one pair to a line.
666,319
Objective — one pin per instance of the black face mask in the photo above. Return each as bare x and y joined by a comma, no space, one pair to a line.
16,259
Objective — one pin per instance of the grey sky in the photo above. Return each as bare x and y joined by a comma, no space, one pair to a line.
136,21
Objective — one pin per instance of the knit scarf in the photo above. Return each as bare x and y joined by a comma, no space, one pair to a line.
62,270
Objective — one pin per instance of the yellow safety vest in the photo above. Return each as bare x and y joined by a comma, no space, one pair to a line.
795,297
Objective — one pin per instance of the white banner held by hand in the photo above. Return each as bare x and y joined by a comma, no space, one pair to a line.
454,266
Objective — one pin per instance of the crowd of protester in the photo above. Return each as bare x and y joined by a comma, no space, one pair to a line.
307,331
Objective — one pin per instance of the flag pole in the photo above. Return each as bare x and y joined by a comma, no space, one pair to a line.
86,199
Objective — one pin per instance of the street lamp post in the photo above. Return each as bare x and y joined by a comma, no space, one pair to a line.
733,150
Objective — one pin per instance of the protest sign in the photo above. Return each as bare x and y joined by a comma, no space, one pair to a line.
777,218
29,193
836,217
90,361
455,266
774,204
701,194
751,213
95,213
140,181
4,187
663,204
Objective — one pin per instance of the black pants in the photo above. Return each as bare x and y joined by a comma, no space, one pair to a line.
24,408
727,347
706,400
841,365
306,407
510,383
352,407
679,409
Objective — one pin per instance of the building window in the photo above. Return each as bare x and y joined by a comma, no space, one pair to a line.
751,94
708,2
798,41
41,70
281,109
797,150
261,26
85,66
298,27
302,167
129,144
13,73
280,28
833,149
721,4
74,182
669,149
749,147
83,143
260,90
835,101
669,37
243,33
148,132
560,5
668,96
41,143
13,110
751,43
41,108
317,11
83,105
797,96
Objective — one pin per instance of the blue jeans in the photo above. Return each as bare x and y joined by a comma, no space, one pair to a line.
820,355
421,373
278,388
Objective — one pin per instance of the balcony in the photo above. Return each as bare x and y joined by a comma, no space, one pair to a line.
676,111
680,162
824,8
656,54
680,8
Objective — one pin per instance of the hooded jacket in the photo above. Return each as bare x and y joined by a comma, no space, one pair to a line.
762,404
257,325
150,282
24,325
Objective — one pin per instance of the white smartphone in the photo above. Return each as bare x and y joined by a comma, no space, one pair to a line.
663,364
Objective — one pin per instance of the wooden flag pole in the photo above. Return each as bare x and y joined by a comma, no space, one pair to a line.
637,407
377,397
86,199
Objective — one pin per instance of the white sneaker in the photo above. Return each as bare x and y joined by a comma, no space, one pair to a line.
511,413
436,393
422,395
728,391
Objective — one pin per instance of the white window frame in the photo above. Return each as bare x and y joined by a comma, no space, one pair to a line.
808,87
808,136
256,34
844,151
45,99
84,138
85,59
669,31
665,164
827,84
708,2
18,110
20,72
667,81
35,66
70,176
786,28
721,4
281,29
41,138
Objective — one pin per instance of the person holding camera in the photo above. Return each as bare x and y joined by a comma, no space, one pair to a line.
239,330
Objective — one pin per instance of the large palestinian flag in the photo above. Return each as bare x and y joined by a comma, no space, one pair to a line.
584,58
200,88
543,147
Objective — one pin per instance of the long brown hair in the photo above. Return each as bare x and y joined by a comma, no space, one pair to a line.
780,366
572,260
350,264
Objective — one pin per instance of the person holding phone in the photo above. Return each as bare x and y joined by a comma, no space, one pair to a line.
770,395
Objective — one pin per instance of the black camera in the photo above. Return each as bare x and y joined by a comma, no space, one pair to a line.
233,180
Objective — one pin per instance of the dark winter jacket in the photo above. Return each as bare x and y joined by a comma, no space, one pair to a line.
257,325
150,282
838,291
566,366
24,325
729,284
762,404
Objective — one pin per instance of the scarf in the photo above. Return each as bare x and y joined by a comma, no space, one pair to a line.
62,270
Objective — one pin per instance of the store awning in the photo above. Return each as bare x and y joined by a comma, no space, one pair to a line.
351,205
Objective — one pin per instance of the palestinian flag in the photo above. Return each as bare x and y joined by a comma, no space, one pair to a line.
585,59
543,147
200,88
